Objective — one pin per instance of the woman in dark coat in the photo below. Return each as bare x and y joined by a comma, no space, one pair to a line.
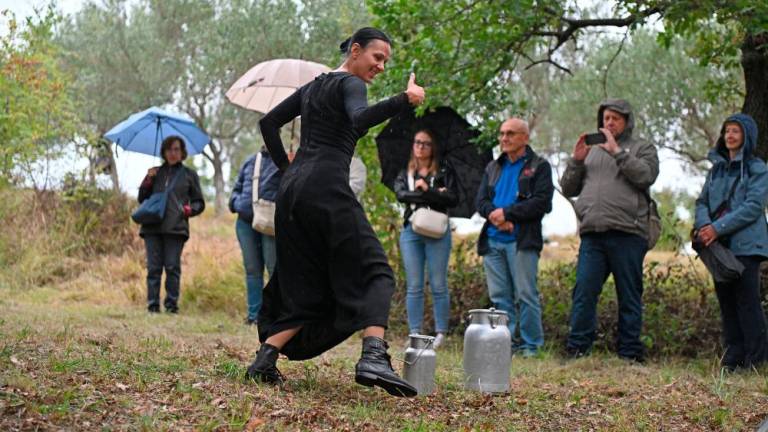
165,240
332,277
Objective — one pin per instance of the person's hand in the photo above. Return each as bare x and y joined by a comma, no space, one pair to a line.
152,172
707,235
497,217
187,210
610,144
414,91
581,150
507,226
421,184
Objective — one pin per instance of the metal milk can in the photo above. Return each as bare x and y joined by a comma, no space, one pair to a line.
420,364
487,351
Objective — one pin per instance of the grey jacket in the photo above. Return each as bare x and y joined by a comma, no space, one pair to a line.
611,189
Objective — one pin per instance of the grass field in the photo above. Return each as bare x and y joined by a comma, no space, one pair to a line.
81,353
88,366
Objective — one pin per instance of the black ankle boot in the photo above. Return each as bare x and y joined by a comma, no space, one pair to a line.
375,369
264,368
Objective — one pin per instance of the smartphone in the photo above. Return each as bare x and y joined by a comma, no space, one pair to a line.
595,138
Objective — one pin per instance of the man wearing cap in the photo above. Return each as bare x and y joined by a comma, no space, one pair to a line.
611,181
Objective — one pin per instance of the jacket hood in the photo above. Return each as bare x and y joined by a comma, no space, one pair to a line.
748,129
620,106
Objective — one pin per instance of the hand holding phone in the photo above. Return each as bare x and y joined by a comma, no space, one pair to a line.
595,138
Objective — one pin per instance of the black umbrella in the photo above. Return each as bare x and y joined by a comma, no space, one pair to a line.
457,149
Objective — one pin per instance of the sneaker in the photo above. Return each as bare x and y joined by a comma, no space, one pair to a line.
250,321
439,339
529,353
153,309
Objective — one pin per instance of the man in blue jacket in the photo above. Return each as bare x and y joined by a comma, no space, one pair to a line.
514,195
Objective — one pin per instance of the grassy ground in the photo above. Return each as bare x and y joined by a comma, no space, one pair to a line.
80,353
84,366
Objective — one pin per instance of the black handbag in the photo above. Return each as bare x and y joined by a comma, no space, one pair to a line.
720,261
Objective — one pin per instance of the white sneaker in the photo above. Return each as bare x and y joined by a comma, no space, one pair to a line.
439,339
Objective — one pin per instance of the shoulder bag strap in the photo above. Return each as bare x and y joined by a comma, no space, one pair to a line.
175,178
256,175
411,186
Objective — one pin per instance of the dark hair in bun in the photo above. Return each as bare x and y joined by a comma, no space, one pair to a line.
363,37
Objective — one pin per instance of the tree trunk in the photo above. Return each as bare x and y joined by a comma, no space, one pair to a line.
754,61
218,179
113,171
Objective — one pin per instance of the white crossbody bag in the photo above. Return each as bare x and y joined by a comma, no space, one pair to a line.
425,221
263,210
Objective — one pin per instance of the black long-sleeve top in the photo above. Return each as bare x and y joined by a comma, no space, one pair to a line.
441,195
336,115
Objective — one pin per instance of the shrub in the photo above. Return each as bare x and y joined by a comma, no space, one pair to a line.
45,236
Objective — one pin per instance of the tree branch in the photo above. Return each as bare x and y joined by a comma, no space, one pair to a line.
610,63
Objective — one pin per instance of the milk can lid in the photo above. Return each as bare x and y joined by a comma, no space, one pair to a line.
488,311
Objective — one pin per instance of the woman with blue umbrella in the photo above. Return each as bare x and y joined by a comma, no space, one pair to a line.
164,238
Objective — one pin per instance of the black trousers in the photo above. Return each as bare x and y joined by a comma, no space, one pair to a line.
743,319
163,252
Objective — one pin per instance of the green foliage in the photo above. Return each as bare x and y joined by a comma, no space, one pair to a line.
675,230
36,113
718,28
671,95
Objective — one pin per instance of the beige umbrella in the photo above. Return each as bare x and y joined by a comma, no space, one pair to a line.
269,83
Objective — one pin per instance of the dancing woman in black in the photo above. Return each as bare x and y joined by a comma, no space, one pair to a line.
332,277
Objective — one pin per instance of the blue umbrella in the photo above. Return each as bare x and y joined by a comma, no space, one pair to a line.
143,132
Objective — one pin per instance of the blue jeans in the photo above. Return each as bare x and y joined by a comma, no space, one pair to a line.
418,250
511,276
258,251
601,254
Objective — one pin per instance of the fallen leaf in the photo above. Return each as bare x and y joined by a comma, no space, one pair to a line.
254,423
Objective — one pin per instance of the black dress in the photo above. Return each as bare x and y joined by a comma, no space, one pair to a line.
332,276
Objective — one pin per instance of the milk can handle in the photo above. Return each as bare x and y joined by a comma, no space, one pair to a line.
421,351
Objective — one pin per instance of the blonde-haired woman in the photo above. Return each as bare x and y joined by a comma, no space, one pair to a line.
426,183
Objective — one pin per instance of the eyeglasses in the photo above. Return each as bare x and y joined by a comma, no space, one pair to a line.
420,143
